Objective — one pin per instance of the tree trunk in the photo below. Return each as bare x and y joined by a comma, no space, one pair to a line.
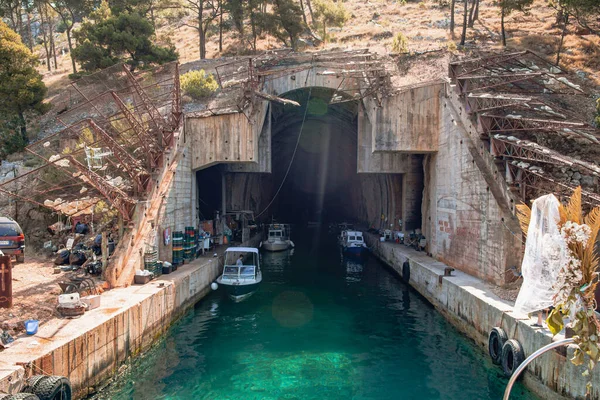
452,17
303,12
476,14
253,26
503,32
463,36
52,44
310,11
562,36
69,41
29,31
221,26
471,13
44,29
23,126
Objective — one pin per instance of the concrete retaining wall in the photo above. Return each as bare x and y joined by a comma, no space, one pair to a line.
469,304
89,350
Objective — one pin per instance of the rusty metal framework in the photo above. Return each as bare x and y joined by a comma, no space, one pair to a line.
106,145
515,99
242,81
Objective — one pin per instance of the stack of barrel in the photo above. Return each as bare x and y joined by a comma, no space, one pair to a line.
177,248
189,246
151,262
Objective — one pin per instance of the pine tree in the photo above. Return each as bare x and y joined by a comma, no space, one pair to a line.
21,86
106,39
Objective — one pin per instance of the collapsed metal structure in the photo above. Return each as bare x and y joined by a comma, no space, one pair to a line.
516,100
362,74
106,144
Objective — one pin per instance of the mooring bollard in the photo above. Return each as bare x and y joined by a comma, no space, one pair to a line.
6,297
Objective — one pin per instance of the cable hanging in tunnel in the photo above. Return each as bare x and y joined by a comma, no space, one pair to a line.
293,156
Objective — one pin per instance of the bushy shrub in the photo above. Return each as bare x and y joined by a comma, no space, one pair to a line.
400,43
198,84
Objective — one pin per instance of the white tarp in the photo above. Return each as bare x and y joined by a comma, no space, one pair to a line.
545,253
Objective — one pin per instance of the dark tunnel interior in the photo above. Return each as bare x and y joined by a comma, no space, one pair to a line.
322,184
322,178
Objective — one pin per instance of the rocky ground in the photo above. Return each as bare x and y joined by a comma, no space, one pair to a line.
35,294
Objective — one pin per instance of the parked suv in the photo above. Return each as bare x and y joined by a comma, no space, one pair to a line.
12,240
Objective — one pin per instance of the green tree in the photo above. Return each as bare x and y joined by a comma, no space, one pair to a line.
507,7
329,13
115,38
286,22
69,12
204,12
21,86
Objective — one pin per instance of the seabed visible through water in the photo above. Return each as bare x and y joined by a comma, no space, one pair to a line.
319,327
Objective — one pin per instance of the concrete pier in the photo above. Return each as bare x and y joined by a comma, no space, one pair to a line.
89,350
469,304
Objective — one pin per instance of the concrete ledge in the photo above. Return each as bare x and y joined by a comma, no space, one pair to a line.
89,350
470,305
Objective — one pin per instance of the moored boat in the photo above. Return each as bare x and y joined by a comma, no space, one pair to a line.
241,274
353,243
278,238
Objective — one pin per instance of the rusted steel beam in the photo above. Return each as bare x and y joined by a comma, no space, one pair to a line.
118,198
486,102
131,166
501,123
146,141
474,83
530,151
155,117
469,66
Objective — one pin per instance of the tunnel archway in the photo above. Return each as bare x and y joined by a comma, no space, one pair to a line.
321,140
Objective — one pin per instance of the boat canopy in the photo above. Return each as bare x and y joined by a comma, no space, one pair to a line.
354,233
242,250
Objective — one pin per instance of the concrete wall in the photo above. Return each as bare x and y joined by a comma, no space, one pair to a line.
407,122
377,162
179,206
470,304
465,224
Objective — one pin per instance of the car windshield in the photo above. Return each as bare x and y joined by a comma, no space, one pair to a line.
10,229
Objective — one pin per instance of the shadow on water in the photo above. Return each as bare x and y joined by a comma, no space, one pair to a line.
320,326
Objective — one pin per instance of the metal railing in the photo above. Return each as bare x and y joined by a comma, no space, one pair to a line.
528,360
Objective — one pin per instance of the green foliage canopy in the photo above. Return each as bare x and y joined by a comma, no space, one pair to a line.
21,86
126,36
329,13
285,23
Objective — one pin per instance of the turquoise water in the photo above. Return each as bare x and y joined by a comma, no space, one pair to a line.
318,328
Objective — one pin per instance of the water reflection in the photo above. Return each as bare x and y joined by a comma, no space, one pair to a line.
354,269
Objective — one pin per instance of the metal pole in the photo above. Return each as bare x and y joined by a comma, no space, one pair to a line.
528,360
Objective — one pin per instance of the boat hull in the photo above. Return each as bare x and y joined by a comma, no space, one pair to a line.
355,251
275,246
238,293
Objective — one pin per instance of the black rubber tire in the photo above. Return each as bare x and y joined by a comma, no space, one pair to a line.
53,388
22,396
496,341
512,357
406,271
31,382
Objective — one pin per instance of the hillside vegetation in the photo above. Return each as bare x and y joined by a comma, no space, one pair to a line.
74,37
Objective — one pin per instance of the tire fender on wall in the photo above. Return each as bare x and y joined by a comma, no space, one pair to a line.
496,341
406,271
512,357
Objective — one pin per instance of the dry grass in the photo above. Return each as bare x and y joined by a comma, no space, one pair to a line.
373,24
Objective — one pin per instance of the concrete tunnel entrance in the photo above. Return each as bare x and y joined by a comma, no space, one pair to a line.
322,184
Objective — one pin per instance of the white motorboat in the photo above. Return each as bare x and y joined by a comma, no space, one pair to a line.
241,274
278,238
353,243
